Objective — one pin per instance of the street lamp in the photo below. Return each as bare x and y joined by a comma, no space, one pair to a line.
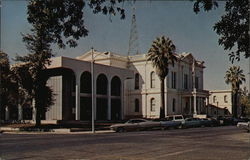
92,86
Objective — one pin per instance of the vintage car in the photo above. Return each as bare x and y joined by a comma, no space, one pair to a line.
135,125
244,125
192,122
170,124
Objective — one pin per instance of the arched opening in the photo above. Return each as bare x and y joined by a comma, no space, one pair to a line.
173,106
152,105
85,96
101,99
115,98
137,105
62,81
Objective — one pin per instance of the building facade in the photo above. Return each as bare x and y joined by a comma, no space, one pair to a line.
123,87
220,103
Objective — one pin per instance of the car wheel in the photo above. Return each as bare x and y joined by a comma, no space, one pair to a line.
120,130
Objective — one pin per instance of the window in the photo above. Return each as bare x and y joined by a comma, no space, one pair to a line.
136,81
173,80
225,98
152,106
214,99
185,81
136,105
173,105
152,79
197,82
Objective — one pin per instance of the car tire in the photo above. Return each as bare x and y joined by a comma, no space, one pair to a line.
181,127
120,130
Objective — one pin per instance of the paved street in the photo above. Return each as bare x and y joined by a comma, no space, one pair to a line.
218,143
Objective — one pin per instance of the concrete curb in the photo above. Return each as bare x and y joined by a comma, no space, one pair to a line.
10,130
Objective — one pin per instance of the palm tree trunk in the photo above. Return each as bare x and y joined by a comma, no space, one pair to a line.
162,107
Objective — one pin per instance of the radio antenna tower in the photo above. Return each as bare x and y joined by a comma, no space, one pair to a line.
133,47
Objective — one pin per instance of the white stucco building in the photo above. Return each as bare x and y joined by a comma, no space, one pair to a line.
220,103
123,87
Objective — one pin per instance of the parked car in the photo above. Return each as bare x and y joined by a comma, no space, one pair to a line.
214,122
205,122
170,124
192,122
135,124
178,118
244,125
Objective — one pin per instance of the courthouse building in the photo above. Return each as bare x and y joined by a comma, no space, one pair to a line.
123,87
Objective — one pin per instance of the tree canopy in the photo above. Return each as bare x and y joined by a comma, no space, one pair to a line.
233,29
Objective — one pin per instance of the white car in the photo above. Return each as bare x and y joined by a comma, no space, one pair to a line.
244,125
135,124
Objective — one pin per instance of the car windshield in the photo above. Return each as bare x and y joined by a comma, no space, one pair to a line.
178,117
136,121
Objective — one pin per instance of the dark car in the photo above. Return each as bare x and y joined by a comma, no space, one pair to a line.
205,122
192,122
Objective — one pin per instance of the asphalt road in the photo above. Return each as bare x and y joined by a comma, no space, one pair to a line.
218,143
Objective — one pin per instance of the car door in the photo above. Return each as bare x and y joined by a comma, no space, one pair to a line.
132,125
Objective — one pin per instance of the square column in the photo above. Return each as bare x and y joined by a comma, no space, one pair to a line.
7,113
190,105
33,110
195,107
20,112
122,100
77,116
109,100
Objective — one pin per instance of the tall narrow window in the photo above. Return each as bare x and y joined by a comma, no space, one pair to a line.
197,82
173,105
137,105
152,106
173,80
136,81
152,79
185,81
225,99
214,99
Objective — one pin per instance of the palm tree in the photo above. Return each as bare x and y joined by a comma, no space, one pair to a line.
161,54
234,76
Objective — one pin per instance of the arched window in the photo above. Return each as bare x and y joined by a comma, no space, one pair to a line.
136,81
173,105
225,99
152,80
152,105
102,84
136,105
214,99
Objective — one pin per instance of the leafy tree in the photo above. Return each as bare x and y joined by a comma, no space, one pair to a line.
234,76
161,54
8,87
245,102
52,22
233,29
207,5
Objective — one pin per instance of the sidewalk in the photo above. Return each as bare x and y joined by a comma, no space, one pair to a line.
9,130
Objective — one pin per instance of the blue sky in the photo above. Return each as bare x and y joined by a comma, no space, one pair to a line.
190,32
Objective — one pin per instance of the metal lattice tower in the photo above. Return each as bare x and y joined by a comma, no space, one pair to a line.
133,47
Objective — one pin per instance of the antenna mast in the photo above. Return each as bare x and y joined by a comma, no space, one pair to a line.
133,37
